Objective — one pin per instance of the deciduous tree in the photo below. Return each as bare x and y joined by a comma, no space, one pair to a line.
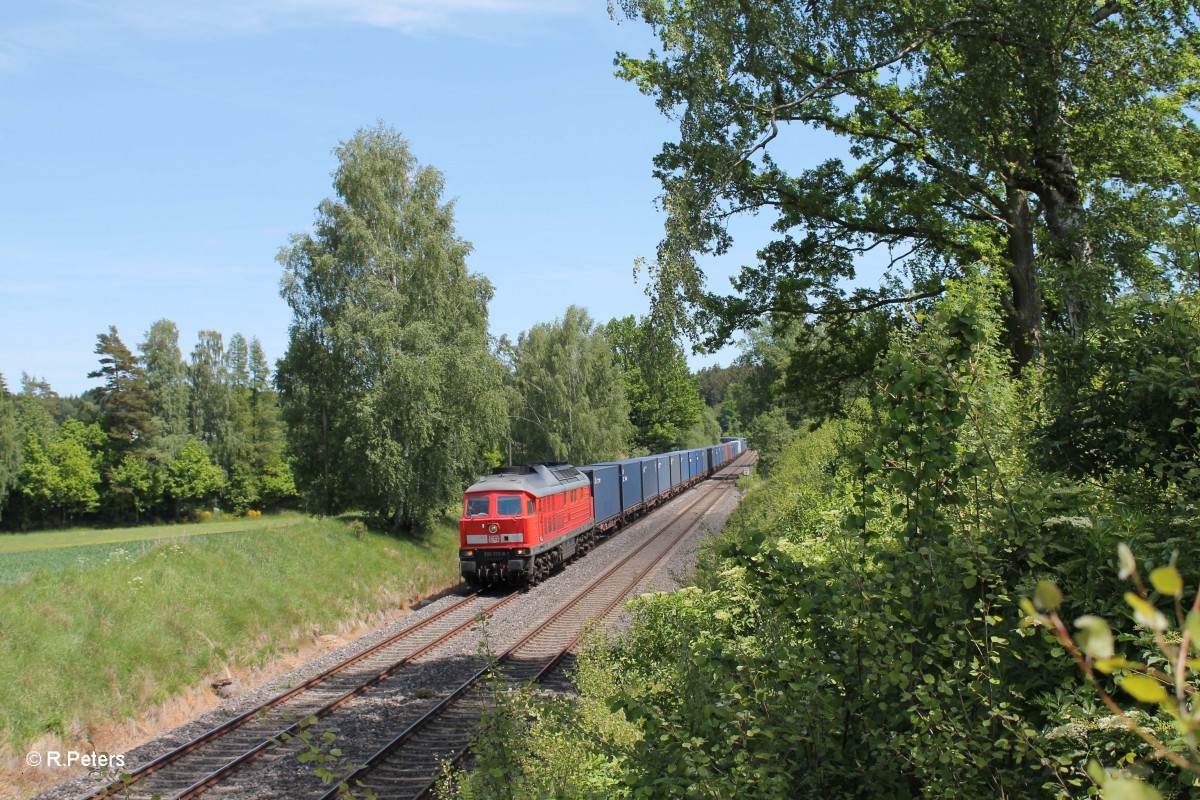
388,386
192,477
1048,139
664,400
570,400
10,444
167,381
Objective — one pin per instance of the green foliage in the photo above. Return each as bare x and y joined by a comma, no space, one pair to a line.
192,478
569,400
664,403
770,434
714,382
389,390
166,381
133,428
1165,678
63,474
536,744
1126,398
705,432
135,483
10,444
214,408
320,753
972,136
124,399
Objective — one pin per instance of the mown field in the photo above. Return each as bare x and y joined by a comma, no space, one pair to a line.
86,645
23,554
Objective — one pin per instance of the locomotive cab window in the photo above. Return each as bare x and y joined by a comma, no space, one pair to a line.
477,506
528,506
508,506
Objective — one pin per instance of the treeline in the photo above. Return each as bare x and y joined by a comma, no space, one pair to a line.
390,398
393,393
160,438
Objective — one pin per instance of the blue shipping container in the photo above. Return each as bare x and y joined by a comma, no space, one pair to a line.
631,481
663,464
649,477
606,490
684,467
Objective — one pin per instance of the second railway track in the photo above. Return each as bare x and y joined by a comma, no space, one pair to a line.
188,770
207,764
409,766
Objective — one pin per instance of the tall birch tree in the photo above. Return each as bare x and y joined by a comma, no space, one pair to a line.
388,387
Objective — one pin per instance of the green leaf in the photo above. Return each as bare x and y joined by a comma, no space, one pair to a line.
1167,580
1095,637
1145,613
1193,628
1128,789
1047,596
1125,560
1107,665
1144,688
969,581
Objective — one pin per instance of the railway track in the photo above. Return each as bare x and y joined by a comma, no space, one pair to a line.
409,766
207,761
188,770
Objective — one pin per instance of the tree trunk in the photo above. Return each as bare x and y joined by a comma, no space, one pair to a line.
1062,201
325,459
1024,305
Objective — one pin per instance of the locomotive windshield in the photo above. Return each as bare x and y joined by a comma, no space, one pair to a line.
477,506
508,506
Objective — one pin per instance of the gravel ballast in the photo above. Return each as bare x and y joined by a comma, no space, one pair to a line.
367,722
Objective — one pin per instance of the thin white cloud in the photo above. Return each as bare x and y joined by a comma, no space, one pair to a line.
69,28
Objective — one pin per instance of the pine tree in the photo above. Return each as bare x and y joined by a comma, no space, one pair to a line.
124,398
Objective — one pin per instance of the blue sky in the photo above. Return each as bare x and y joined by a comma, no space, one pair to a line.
154,157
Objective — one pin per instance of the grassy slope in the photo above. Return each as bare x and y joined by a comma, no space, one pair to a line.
23,554
84,537
85,647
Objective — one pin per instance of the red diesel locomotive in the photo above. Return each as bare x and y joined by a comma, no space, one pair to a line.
521,522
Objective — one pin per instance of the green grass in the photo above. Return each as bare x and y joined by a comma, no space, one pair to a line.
15,567
85,537
84,647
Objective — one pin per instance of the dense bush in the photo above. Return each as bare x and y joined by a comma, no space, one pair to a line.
856,631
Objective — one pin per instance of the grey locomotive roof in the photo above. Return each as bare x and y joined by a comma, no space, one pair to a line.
537,479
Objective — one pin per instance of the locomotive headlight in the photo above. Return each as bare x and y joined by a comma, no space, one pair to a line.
468,553
493,528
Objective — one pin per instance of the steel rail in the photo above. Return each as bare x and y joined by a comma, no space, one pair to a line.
131,782
385,754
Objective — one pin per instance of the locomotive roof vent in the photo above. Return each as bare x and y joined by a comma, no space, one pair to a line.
559,469
515,469
562,471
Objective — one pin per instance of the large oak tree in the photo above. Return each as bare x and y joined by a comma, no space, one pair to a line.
1047,139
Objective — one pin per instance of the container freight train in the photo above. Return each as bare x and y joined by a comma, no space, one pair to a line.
521,522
